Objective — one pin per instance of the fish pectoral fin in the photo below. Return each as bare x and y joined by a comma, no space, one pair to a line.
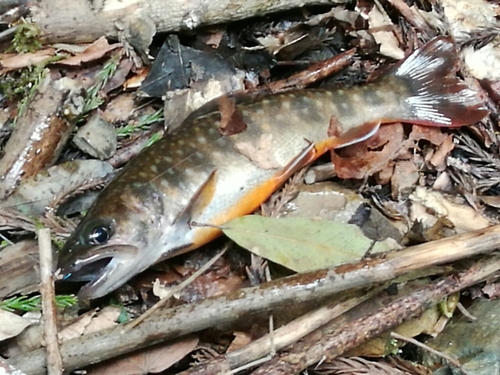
200,200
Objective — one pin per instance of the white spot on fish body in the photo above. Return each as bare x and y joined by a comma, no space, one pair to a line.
201,139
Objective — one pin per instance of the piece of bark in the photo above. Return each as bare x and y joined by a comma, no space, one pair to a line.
315,285
41,132
78,22
19,269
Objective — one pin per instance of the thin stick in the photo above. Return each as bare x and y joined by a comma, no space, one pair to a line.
54,361
175,290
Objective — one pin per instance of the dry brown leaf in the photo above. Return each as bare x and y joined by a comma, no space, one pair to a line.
463,217
231,121
10,62
93,52
404,178
370,156
150,360
77,328
241,339
105,318
438,160
261,153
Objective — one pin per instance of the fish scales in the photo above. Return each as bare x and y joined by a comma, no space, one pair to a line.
156,207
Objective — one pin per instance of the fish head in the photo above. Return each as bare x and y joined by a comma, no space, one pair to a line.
118,238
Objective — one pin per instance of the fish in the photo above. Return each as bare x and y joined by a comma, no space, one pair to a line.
225,161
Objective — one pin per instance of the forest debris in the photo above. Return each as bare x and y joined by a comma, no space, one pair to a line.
477,354
49,317
353,333
231,118
283,336
11,324
463,217
76,22
49,187
93,52
187,87
10,62
314,73
389,44
467,20
77,328
368,157
284,241
19,268
150,360
261,154
212,312
41,132
97,137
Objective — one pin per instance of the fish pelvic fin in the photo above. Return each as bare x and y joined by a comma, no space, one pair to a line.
437,96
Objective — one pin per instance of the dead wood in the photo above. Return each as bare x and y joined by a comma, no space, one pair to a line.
54,362
79,21
105,344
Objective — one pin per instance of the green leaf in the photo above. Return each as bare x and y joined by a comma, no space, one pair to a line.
301,244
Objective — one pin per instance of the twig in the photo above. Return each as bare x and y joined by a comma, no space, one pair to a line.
411,340
175,290
109,343
54,361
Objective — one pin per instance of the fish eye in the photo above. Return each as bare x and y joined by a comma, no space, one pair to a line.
99,235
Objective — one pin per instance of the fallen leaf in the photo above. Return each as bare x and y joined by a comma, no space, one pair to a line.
301,244
240,340
93,52
260,154
151,360
10,62
371,156
105,318
389,44
77,328
11,324
463,217
404,178
438,160
231,121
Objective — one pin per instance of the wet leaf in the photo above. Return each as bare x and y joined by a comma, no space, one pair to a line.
301,244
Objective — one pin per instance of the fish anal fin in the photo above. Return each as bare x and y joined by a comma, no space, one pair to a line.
350,137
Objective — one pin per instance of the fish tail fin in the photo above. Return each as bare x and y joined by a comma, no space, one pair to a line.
437,96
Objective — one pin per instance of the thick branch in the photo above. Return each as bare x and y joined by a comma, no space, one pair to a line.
77,21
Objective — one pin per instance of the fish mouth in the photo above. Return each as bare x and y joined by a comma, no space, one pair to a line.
104,268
